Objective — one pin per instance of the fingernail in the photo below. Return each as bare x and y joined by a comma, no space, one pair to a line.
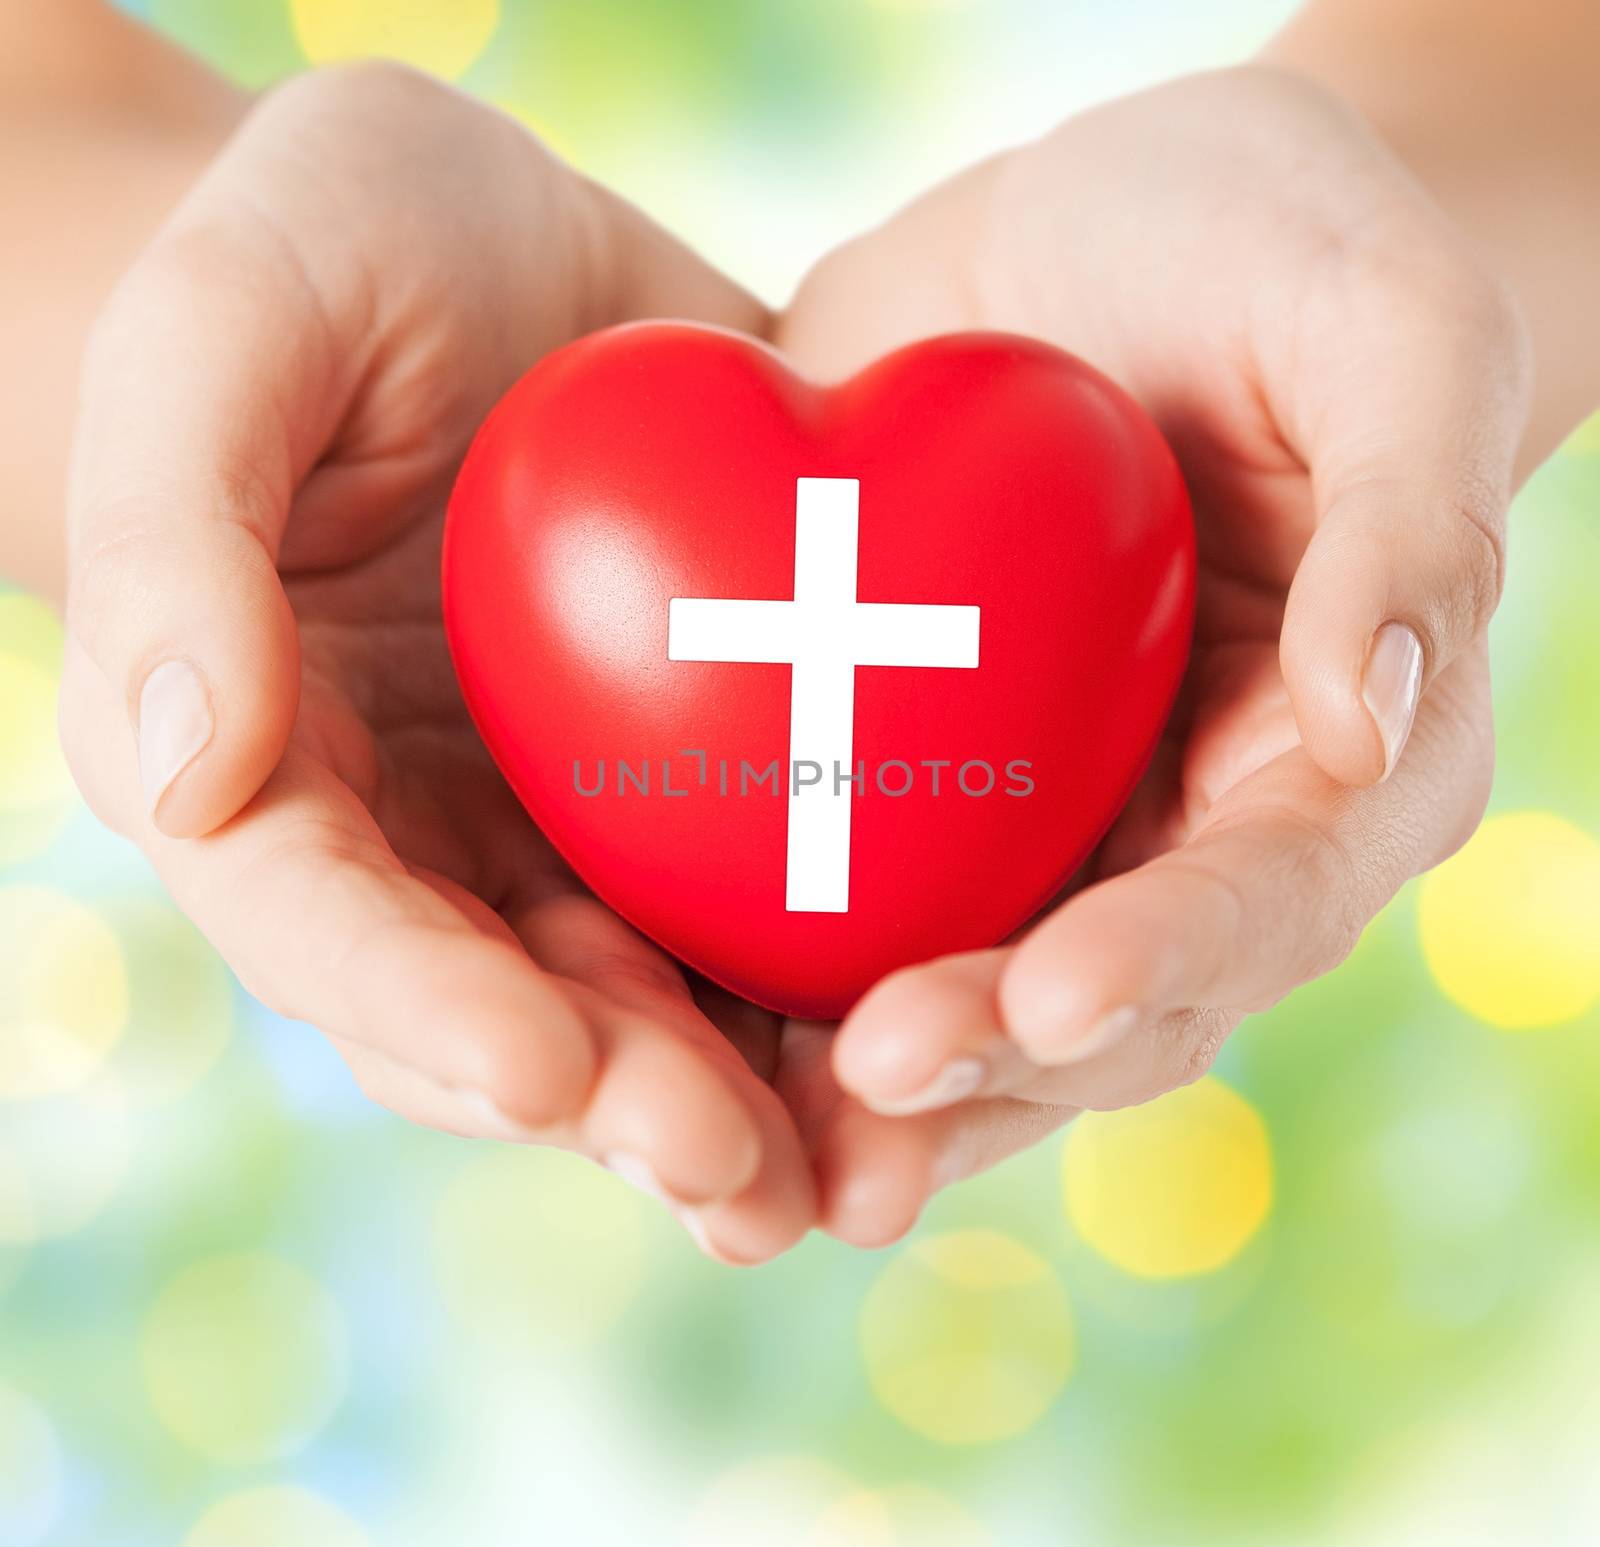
175,723
694,1223
491,1117
1110,1029
636,1171
1391,687
955,1082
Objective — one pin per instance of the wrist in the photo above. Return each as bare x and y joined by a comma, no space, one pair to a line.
1485,111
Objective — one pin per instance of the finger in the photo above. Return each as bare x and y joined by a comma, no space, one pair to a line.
1411,446
212,381
417,1097
928,1037
305,900
675,1103
1135,981
953,1010
875,1174
880,291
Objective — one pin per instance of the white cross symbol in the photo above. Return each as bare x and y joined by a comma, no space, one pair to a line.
823,635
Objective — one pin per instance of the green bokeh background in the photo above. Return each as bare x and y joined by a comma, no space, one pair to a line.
235,1298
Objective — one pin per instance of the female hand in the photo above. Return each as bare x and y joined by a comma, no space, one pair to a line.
257,687
1346,389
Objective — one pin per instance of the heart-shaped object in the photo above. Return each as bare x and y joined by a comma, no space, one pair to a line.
809,683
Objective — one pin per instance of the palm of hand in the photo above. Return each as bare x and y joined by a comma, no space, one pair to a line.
383,880
684,1070
1234,251
396,729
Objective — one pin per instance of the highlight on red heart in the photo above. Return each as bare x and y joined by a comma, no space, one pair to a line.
809,682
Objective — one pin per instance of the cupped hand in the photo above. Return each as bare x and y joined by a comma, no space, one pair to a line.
257,686
1346,391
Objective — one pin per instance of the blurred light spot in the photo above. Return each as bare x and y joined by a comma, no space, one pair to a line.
538,1248
1510,926
967,1337
31,631
62,1160
275,1517
63,992
244,1358
30,1471
181,1004
36,791
778,1501
1173,1187
443,39
907,1516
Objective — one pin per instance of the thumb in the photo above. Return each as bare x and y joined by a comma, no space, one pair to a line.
210,385
1412,454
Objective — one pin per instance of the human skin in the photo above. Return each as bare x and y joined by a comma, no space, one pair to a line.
1345,377
89,100
1353,386
262,514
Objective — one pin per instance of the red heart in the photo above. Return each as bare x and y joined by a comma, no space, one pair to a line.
634,485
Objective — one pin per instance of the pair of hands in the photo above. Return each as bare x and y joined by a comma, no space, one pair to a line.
258,691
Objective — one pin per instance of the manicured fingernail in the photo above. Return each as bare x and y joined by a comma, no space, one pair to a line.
175,723
1110,1029
955,1082
1391,687
636,1171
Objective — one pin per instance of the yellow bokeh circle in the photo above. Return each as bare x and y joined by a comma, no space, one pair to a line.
539,1249
443,39
36,791
244,1357
967,1337
276,1517
1510,926
63,992
30,1471
1174,1187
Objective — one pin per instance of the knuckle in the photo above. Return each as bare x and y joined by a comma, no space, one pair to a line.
1186,1045
107,582
131,563
1417,268
1307,860
1189,1048
1480,518
1327,871
1489,312
1198,1042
